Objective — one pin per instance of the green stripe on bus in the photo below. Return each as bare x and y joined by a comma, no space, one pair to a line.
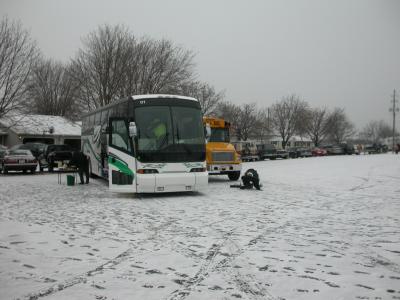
120,165
87,143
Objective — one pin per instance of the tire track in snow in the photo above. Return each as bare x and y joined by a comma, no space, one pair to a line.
245,285
203,272
83,277
80,278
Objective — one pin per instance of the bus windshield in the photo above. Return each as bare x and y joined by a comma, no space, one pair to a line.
219,135
169,134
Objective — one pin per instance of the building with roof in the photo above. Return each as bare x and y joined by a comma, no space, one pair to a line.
21,129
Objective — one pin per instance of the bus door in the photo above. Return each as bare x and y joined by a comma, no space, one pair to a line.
121,163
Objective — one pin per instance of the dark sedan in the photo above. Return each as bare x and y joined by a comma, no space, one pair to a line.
18,160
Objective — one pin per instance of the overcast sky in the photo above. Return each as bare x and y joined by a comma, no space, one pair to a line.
334,53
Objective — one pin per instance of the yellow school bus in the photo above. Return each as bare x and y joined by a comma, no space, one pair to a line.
221,156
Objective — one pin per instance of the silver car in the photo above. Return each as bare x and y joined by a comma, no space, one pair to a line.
18,160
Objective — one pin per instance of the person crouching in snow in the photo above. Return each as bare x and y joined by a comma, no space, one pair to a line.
81,161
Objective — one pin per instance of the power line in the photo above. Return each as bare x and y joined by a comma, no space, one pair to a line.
394,109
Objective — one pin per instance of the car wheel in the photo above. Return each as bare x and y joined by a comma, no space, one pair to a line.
33,171
24,171
5,171
233,176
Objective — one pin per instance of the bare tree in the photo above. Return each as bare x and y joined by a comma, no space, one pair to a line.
263,129
228,111
99,67
286,117
339,127
163,67
206,94
376,131
17,55
114,64
247,122
315,125
52,91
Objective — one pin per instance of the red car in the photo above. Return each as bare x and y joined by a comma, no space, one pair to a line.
319,152
18,160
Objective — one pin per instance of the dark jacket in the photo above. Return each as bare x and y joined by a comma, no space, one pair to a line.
79,159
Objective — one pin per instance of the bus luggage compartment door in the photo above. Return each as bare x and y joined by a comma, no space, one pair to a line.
175,182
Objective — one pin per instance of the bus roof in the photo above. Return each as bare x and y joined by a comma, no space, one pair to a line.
152,96
139,97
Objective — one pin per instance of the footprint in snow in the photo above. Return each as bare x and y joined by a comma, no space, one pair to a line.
153,271
179,281
215,288
28,266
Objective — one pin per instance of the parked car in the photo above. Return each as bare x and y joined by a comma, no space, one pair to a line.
292,152
18,160
3,151
54,154
282,153
375,148
303,152
348,148
36,148
318,152
266,151
334,149
247,150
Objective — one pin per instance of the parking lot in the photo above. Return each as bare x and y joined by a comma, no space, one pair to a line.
320,228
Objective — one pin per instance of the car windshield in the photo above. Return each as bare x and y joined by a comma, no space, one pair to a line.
169,134
219,135
19,152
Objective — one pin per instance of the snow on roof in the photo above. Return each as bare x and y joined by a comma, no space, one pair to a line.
295,138
41,124
151,96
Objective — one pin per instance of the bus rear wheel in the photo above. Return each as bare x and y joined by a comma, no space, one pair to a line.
233,176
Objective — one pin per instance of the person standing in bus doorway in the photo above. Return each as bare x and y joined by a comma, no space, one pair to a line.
81,161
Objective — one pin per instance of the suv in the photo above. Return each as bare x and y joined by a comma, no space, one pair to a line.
267,151
54,154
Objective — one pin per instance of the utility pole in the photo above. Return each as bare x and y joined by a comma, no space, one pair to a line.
394,109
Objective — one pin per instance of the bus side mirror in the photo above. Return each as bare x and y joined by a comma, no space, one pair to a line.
132,129
208,132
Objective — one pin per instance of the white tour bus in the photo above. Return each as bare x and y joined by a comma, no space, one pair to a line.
147,144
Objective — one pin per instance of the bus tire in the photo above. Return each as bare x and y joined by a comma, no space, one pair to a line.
233,176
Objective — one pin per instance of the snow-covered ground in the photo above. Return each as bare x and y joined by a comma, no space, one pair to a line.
321,228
